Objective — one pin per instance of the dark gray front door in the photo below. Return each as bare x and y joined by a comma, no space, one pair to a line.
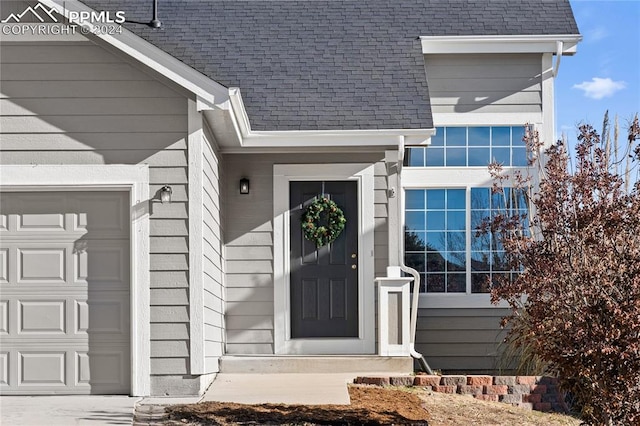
324,280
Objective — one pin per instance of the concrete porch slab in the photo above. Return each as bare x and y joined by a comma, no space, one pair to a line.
284,388
273,364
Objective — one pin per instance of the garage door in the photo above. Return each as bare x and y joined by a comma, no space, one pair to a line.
64,293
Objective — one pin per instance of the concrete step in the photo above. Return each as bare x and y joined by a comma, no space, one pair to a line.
271,364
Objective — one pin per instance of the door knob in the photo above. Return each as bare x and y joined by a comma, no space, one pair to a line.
353,255
353,266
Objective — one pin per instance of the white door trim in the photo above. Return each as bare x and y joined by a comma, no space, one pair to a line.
364,175
134,179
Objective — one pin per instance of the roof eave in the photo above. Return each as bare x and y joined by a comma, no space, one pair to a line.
316,138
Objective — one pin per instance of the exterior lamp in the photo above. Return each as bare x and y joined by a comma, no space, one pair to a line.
244,186
165,194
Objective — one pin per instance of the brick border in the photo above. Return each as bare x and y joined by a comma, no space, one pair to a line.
540,393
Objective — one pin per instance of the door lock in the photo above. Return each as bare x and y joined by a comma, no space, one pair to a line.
353,255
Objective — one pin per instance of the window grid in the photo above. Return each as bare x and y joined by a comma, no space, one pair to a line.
471,147
441,241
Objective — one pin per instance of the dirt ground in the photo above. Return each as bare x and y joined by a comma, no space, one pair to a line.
369,406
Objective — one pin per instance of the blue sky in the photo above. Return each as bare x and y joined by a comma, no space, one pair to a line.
605,73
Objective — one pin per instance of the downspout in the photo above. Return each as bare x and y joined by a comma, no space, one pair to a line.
416,276
559,49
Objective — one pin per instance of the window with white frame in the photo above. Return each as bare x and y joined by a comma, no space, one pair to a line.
442,241
471,147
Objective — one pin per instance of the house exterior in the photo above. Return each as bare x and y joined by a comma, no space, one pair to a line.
392,109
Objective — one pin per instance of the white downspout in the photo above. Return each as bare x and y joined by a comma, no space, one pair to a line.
559,49
416,276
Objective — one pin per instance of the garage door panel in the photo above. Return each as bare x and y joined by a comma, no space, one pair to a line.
41,222
106,367
65,287
4,316
102,316
4,369
4,265
104,262
101,215
42,368
39,265
42,316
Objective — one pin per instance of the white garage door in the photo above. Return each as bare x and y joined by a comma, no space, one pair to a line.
64,293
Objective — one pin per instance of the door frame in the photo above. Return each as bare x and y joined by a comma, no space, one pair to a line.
364,175
98,177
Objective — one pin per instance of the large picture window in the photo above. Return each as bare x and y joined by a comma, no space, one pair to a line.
471,147
442,242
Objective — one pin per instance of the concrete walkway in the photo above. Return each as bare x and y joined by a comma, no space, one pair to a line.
68,410
285,388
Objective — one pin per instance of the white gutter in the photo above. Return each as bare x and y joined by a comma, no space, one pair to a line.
500,44
416,276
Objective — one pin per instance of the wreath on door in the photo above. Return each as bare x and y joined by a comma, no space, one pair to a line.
322,221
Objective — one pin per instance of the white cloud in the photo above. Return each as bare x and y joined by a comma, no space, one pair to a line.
599,88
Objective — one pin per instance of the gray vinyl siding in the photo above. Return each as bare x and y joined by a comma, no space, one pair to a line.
76,103
457,340
213,256
249,242
484,83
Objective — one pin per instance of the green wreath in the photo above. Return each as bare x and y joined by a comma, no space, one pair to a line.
322,209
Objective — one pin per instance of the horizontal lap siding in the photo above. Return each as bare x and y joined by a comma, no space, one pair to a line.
248,234
481,83
461,339
76,103
214,292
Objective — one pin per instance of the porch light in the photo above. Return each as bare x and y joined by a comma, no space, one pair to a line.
244,186
165,194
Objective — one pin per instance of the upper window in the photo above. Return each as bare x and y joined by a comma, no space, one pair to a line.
471,147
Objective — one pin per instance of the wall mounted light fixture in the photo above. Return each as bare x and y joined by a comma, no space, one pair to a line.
244,186
165,194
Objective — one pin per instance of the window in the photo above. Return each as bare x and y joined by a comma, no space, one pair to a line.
471,147
441,241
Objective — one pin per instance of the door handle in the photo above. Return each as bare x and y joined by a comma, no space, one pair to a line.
354,266
353,255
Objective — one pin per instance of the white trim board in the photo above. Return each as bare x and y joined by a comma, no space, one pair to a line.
134,179
364,175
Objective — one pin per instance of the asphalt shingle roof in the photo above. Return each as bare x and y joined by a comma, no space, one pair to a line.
329,64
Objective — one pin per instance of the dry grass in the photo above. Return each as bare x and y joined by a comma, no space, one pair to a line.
464,410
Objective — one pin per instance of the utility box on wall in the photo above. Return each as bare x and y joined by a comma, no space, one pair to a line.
393,316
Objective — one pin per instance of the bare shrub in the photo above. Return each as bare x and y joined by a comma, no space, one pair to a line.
576,302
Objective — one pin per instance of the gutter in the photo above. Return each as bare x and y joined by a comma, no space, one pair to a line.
416,276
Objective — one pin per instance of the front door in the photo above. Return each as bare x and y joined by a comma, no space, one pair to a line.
324,280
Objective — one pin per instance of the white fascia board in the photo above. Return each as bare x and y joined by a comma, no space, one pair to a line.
315,138
208,91
500,44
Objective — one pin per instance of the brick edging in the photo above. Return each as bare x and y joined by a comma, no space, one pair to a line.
540,393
